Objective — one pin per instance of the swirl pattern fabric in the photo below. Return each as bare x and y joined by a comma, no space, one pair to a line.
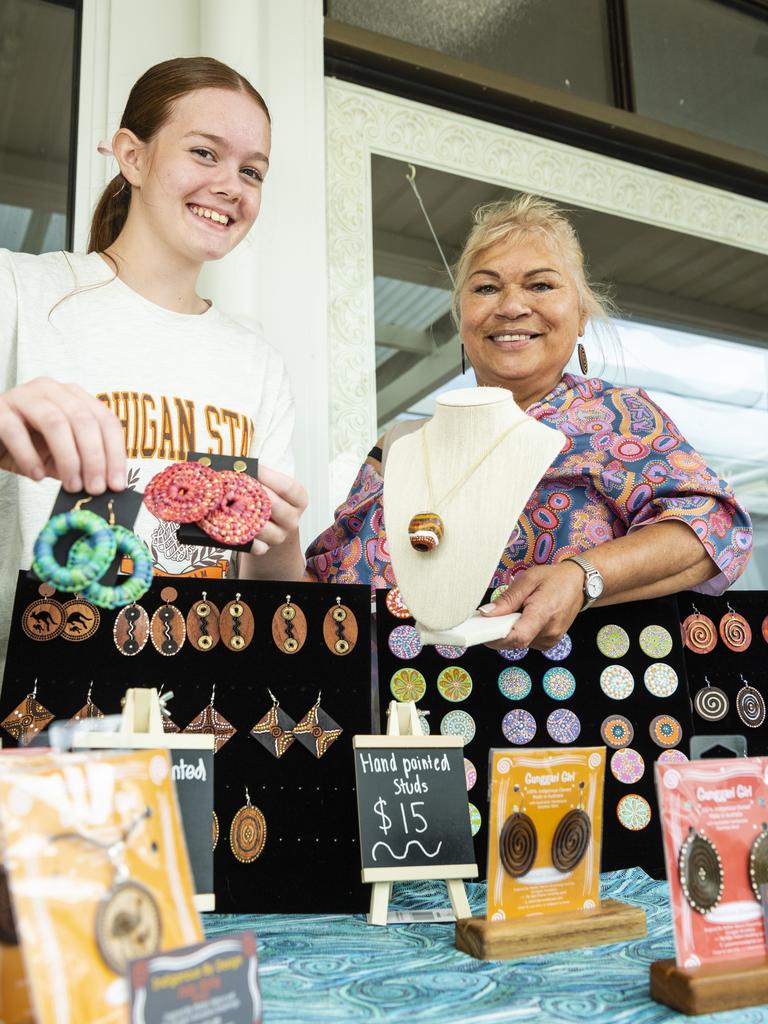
328,969
624,465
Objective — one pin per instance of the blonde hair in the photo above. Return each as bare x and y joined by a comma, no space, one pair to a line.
524,216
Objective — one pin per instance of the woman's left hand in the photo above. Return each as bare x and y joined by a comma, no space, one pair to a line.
549,597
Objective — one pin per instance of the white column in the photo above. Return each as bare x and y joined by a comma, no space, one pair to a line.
277,276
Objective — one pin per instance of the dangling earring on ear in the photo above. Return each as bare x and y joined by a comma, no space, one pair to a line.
463,359
583,361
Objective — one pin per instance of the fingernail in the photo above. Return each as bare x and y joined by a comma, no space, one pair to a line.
75,484
485,609
38,473
97,485
117,482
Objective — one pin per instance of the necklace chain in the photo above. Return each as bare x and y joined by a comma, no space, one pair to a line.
439,505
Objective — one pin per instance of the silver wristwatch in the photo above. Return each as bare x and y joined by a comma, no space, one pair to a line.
593,581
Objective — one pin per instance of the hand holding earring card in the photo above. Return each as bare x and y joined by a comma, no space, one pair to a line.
714,817
545,830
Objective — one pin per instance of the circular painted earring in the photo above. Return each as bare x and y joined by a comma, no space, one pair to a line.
102,548
518,841
241,512
340,629
183,493
131,630
701,872
203,624
735,631
81,618
236,625
699,633
750,705
44,618
289,627
758,862
248,832
167,629
711,703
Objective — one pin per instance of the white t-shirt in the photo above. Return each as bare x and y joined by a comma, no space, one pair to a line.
177,383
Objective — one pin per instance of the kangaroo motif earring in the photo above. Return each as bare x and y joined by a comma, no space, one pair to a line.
248,832
275,730
317,730
44,618
27,719
167,628
518,842
289,627
81,619
572,836
212,723
88,710
131,630
340,629
236,625
203,624
758,863
700,871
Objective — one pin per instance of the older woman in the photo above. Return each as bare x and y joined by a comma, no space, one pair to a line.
522,301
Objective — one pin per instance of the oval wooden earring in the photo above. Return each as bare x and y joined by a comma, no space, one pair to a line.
167,628
289,627
248,832
340,629
131,630
572,837
518,842
203,624
236,624
44,618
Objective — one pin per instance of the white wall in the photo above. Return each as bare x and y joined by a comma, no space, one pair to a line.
277,277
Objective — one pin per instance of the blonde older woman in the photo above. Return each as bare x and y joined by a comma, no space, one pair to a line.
522,301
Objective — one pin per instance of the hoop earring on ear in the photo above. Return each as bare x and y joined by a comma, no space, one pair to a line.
583,361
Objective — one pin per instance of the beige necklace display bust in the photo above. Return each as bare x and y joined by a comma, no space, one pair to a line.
480,457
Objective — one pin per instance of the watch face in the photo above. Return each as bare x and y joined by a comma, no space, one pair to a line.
593,587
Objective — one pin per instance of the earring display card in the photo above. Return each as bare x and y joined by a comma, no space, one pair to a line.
545,827
616,679
310,859
714,823
728,680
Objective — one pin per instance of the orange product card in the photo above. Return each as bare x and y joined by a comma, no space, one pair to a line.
715,829
98,875
546,820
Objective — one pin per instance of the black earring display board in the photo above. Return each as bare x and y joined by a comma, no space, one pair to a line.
724,667
622,847
311,859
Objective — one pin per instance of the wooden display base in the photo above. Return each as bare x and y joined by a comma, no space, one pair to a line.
708,989
612,921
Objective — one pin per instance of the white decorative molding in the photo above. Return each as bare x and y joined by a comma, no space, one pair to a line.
360,122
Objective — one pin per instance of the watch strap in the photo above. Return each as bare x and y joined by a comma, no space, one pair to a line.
590,573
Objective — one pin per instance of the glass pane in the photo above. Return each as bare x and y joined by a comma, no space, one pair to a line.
702,66
36,74
530,40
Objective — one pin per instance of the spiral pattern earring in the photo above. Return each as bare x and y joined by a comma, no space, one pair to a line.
711,703
572,836
518,842
750,705
735,631
701,872
699,633
758,863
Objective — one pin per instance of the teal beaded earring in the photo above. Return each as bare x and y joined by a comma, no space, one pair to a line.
101,543
128,544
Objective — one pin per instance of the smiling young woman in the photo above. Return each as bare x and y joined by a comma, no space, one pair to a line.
114,365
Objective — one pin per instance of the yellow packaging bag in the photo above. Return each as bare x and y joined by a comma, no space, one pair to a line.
98,874
546,820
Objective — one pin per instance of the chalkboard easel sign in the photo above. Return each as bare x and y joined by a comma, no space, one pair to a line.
412,810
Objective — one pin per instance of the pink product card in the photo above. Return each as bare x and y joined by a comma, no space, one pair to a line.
714,817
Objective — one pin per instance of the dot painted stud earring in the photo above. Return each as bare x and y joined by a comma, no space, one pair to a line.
203,624
735,631
275,729
340,629
317,730
88,710
518,841
572,836
44,618
700,871
27,719
212,723
236,625
289,627
167,629
248,832
131,630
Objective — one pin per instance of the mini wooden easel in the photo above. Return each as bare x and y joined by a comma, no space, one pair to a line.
402,720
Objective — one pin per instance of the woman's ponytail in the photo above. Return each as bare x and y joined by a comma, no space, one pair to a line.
110,214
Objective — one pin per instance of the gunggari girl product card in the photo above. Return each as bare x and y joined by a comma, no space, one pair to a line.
714,817
545,826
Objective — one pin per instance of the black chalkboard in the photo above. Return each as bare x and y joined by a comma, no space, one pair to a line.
193,775
412,808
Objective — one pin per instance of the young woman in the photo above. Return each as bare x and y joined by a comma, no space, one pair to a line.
112,365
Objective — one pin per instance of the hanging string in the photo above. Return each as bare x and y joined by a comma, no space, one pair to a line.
410,177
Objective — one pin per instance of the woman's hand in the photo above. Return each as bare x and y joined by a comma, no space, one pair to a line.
549,597
52,429
277,549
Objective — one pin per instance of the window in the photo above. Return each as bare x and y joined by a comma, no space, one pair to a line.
37,98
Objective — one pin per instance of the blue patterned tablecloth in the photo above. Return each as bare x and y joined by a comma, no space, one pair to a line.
336,968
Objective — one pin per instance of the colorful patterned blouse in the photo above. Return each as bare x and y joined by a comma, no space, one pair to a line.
624,464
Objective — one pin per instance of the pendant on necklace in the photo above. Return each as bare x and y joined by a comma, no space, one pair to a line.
425,531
